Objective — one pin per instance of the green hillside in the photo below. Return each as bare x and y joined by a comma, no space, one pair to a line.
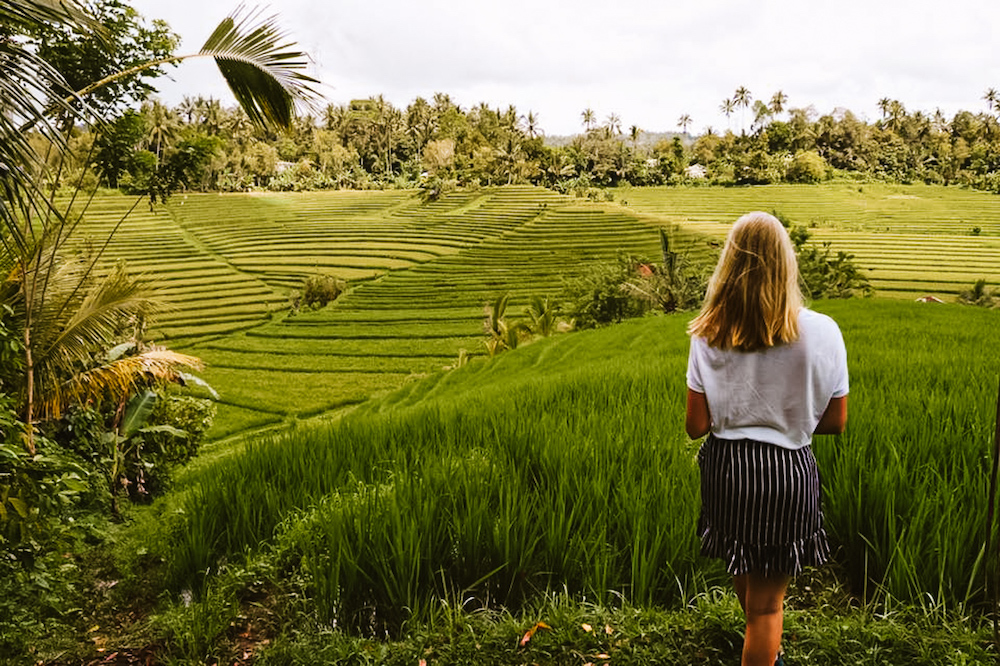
421,273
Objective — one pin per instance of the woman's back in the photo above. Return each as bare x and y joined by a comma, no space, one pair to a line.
776,394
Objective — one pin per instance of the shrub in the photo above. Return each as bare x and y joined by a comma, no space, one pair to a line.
978,295
600,296
677,284
807,166
318,290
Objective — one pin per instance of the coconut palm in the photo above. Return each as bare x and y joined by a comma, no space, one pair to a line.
588,118
614,124
727,107
684,122
778,101
761,112
633,134
531,127
884,105
992,97
742,98
162,126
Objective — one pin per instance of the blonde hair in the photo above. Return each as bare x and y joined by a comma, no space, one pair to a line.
753,298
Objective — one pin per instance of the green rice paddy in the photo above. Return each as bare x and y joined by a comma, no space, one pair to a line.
228,266
561,467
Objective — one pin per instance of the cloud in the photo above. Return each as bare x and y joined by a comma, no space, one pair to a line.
648,61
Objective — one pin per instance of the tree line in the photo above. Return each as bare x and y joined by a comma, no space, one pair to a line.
201,145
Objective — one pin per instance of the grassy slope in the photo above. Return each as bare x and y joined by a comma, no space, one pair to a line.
904,498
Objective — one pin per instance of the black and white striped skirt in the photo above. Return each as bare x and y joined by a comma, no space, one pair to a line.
760,507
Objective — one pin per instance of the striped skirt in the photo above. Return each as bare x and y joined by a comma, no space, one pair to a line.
760,507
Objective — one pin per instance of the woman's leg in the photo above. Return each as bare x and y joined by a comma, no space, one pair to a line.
740,585
762,598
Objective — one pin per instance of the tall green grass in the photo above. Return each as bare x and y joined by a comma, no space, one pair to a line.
563,466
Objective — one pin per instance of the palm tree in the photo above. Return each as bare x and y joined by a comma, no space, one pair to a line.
189,108
727,107
267,79
761,112
742,99
161,125
531,127
684,122
778,101
633,134
614,124
896,114
588,118
884,105
992,97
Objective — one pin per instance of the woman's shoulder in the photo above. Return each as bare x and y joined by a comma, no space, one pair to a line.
817,323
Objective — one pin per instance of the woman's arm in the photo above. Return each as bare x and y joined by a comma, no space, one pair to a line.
834,418
698,421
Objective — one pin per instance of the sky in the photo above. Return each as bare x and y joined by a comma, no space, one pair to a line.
647,61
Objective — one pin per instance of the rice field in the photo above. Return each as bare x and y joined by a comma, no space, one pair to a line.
563,466
229,266
912,240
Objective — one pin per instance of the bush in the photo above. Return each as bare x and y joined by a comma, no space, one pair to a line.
600,296
978,295
318,290
807,166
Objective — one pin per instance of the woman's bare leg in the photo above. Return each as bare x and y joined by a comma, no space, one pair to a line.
740,585
762,598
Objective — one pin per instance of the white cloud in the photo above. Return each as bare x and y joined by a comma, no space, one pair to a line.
648,61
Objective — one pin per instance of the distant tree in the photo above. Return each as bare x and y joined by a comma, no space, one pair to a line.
684,122
633,134
727,107
761,112
162,126
742,99
992,98
778,101
614,124
439,157
806,167
531,127
588,118
884,105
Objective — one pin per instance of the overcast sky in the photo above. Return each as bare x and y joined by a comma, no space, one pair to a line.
648,61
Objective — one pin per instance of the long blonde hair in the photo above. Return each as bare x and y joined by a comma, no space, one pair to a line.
753,298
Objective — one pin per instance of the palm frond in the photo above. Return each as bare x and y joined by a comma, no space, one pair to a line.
29,13
113,380
33,94
263,70
72,324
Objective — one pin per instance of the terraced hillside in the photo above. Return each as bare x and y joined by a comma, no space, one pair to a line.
912,239
420,274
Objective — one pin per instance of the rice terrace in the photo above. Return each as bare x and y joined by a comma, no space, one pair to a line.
423,484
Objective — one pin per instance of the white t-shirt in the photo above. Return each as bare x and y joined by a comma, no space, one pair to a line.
777,394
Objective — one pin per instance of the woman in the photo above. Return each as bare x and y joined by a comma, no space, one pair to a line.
764,375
